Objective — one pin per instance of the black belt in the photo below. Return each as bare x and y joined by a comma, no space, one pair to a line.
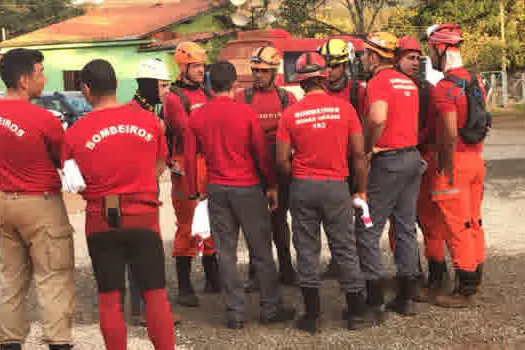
393,152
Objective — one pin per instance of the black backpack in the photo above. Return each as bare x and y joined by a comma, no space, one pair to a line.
282,93
479,121
187,107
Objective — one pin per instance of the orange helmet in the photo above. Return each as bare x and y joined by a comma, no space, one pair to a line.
266,57
188,52
382,43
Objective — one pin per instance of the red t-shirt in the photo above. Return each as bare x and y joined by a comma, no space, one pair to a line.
176,117
229,136
30,137
345,94
116,150
318,128
448,97
269,108
401,95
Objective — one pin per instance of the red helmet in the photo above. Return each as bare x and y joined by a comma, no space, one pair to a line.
309,65
407,43
446,34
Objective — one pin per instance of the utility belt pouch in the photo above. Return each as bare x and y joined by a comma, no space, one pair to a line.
112,210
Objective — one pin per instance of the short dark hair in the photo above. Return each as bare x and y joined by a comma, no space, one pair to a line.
100,77
18,62
222,76
313,83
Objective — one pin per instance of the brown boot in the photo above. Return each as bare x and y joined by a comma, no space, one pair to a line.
463,296
437,277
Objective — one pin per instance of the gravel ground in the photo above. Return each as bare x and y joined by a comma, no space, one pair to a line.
496,322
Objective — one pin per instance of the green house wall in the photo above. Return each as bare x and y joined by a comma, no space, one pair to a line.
123,56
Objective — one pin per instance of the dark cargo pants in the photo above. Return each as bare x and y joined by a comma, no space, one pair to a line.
393,189
313,203
231,208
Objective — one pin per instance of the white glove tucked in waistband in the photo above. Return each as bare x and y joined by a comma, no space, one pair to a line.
72,179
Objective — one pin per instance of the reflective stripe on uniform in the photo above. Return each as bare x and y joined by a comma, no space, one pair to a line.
451,191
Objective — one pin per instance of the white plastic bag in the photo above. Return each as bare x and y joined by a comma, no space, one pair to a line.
72,179
360,203
200,226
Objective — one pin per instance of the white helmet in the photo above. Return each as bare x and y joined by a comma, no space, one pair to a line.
153,69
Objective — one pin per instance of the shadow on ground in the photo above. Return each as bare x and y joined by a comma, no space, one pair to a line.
497,321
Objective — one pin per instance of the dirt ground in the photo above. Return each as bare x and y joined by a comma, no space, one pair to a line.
496,322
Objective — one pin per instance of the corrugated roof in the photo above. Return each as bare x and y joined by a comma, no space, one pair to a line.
116,23
171,44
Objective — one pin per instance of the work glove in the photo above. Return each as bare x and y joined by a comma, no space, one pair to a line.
72,179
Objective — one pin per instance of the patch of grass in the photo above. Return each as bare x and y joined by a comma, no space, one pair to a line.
515,110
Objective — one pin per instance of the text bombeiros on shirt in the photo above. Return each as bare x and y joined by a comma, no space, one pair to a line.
8,124
114,130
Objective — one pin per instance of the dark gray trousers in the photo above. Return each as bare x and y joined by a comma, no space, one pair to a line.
393,189
231,208
313,203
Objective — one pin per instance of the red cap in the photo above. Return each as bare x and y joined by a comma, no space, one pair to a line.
447,34
407,43
309,65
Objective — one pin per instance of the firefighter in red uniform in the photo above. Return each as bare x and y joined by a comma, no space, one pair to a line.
122,212
408,56
269,101
458,170
186,96
338,55
230,138
36,239
391,137
320,130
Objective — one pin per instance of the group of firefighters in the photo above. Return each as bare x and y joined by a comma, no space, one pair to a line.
395,142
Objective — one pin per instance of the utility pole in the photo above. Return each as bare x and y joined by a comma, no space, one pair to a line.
504,56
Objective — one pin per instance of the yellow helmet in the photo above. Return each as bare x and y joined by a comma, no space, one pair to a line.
382,43
188,52
334,51
266,57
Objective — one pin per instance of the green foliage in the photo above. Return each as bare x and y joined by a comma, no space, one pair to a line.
480,21
205,23
22,16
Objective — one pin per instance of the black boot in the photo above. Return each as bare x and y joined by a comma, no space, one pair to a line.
437,279
358,313
479,273
211,272
60,346
186,295
309,321
464,293
403,303
13,346
375,299
332,271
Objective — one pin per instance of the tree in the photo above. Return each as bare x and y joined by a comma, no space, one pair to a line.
357,9
480,23
309,18
23,16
